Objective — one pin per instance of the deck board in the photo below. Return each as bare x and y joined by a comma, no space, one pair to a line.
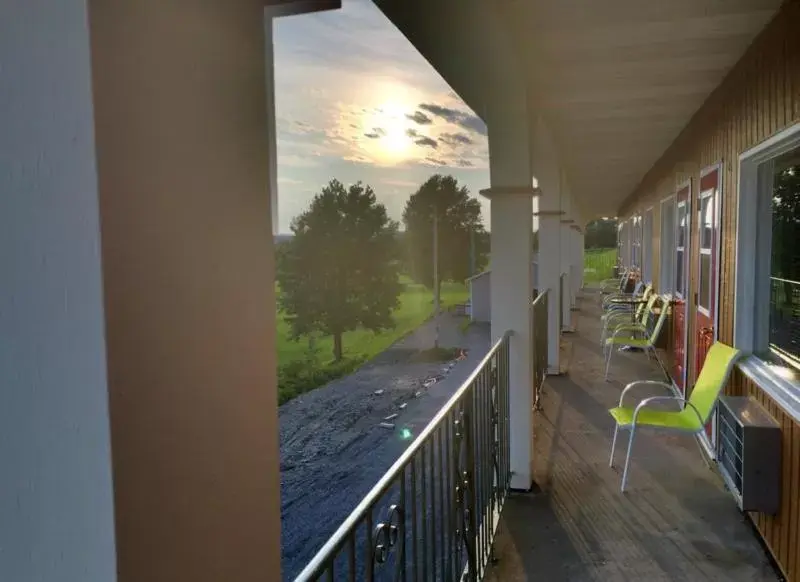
676,521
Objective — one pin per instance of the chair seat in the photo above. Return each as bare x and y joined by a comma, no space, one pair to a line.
682,420
628,341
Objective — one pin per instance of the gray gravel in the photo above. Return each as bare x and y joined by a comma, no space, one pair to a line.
332,448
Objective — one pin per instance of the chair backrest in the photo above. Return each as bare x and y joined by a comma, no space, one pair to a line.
662,317
644,309
716,370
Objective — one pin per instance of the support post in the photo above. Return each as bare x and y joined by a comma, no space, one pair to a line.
511,196
549,216
566,255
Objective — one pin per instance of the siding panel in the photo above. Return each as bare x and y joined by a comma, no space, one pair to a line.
759,97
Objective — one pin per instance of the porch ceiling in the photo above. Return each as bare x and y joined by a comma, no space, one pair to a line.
618,80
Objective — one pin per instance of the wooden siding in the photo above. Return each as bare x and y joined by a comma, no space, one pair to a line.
760,97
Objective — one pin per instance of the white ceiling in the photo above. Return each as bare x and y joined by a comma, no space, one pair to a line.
617,80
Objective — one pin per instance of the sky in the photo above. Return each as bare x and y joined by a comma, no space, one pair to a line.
356,101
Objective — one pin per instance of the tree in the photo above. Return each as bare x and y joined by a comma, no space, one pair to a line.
340,271
460,231
601,234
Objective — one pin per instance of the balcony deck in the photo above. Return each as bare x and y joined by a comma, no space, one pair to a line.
675,522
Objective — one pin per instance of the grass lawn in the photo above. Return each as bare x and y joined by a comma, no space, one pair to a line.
598,264
416,306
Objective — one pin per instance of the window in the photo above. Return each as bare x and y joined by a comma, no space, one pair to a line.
667,271
682,236
636,241
767,316
647,246
708,227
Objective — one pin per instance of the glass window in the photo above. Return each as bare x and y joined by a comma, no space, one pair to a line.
681,225
704,296
679,272
784,287
667,262
706,222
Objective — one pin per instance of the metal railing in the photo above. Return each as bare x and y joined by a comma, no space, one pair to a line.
784,316
434,514
539,345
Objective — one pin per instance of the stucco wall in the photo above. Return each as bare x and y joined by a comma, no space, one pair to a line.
56,509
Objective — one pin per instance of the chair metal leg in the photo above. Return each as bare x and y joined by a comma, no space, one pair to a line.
703,453
608,359
628,459
613,445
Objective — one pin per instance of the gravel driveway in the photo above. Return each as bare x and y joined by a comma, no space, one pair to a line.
332,447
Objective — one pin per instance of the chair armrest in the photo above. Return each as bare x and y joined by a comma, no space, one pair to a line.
632,385
647,401
630,327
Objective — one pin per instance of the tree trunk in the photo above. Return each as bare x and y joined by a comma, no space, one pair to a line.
337,346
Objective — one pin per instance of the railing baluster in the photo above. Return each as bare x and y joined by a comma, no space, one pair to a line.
414,532
424,514
351,558
458,469
369,562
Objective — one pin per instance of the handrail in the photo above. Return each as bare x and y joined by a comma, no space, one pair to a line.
539,344
317,566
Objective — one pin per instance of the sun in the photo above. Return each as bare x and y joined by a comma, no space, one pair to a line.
388,127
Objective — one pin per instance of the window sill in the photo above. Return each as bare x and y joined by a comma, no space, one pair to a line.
769,378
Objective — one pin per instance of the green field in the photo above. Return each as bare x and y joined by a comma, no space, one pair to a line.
598,264
301,370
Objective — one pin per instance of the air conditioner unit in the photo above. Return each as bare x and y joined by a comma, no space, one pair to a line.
749,453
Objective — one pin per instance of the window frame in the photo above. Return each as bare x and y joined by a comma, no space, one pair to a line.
648,219
753,238
666,275
713,280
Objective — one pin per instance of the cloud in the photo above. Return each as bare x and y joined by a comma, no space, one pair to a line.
465,163
454,139
420,118
292,181
464,119
399,183
431,161
376,133
426,141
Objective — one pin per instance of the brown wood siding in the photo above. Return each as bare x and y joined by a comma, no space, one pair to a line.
760,97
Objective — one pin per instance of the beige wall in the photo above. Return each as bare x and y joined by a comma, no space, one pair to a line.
179,91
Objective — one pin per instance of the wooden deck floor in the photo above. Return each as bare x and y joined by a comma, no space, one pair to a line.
675,522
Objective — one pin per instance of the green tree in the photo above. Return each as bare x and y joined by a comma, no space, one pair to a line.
601,234
460,231
340,271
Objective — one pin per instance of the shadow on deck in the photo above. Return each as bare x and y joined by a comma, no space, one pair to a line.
676,521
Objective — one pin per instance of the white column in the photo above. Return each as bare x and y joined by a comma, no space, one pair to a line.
56,495
566,255
547,173
137,309
511,198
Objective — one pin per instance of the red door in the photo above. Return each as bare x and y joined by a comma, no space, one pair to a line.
683,200
708,229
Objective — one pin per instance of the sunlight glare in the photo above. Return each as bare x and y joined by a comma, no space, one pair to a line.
394,143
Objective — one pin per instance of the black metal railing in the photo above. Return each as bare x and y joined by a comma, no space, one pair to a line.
784,316
434,514
539,344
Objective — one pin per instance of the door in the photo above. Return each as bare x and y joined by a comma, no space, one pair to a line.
683,216
708,267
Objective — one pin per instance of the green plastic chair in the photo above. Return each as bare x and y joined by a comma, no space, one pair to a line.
695,413
616,317
636,335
